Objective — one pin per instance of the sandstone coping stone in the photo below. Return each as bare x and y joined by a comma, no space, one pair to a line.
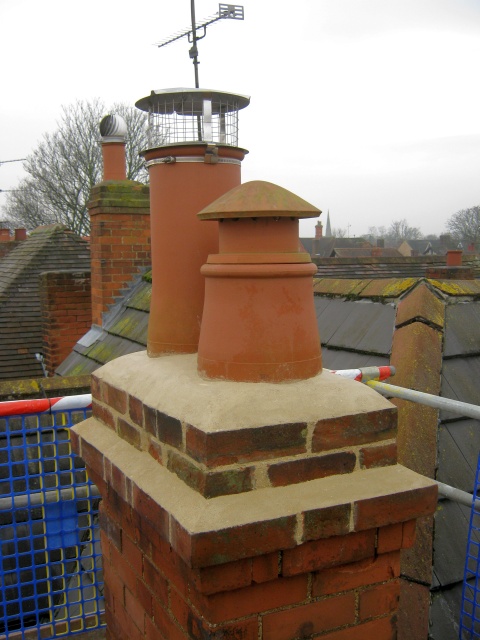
171,384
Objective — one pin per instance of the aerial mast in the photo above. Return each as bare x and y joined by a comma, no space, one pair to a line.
194,34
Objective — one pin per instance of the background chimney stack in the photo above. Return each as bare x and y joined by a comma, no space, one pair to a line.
119,223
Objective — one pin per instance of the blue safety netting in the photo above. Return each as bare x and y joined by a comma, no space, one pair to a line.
470,611
51,574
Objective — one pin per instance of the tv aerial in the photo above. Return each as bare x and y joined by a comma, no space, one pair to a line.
195,33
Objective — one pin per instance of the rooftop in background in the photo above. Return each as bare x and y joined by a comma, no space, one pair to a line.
386,267
9,241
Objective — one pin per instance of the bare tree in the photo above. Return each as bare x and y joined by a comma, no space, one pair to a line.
465,225
400,230
337,232
66,164
377,232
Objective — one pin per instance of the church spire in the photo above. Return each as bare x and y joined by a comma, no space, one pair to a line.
328,230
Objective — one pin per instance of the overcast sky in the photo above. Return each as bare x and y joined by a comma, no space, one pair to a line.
366,108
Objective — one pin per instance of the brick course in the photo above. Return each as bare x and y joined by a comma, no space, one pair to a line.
152,593
233,461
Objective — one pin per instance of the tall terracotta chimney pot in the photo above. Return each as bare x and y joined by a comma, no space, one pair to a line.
259,322
113,131
192,158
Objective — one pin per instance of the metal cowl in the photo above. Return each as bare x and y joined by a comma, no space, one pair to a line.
113,128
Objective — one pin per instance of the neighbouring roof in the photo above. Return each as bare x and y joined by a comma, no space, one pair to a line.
324,247
386,267
48,248
366,252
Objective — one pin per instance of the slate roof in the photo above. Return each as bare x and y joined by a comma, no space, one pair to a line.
366,252
385,267
48,248
124,331
324,247
430,330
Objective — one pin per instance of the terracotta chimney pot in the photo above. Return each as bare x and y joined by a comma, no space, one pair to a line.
259,322
192,159
113,131
454,258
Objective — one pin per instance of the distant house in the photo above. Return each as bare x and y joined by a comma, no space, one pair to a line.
9,241
328,246
28,302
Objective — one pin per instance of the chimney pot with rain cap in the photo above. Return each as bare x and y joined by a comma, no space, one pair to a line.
192,158
259,322
113,131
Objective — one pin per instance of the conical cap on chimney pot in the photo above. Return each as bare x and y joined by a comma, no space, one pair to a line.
259,198
259,322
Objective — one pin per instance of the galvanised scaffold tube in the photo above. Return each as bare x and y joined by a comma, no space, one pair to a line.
454,406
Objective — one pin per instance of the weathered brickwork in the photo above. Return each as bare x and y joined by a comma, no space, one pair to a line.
65,299
234,461
342,587
119,240
251,532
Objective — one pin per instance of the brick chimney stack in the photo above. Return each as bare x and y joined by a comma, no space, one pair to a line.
254,510
318,230
119,223
453,269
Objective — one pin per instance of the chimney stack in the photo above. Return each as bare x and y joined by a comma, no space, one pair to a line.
113,131
240,509
20,235
452,270
318,230
192,158
119,223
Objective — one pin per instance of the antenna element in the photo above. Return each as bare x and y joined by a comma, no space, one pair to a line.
225,11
